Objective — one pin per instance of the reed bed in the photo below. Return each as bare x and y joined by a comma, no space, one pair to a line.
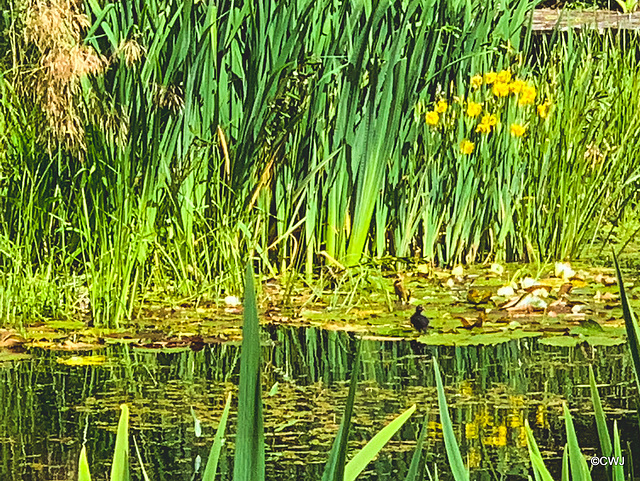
151,147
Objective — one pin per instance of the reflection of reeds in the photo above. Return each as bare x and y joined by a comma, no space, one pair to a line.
573,460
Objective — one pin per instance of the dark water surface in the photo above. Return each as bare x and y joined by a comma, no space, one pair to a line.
48,408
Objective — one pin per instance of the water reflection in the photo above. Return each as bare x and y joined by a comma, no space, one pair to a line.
48,408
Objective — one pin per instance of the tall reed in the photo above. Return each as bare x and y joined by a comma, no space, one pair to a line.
192,134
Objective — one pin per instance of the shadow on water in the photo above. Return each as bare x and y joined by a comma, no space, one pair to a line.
49,408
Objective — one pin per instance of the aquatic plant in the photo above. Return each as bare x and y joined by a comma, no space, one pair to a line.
574,463
194,134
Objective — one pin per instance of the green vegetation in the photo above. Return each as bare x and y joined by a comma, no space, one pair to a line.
161,149
250,451
149,148
574,463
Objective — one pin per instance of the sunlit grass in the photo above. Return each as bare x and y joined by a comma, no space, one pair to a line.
183,144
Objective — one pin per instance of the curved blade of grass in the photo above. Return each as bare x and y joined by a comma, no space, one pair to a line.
249,456
216,447
577,463
145,476
83,466
601,421
539,469
458,469
630,322
120,466
416,468
373,447
618,469
565,464
334,469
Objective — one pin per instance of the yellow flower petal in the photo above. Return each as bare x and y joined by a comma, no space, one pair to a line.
432,118
466,147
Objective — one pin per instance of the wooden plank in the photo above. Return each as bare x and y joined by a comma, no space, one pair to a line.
545,19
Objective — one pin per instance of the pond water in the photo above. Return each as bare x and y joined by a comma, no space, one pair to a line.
49,408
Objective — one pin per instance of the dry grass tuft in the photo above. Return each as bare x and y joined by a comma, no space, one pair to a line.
55,27
131,51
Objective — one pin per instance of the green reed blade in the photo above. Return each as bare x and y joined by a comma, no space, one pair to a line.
540,470
601,421
145,476
617,469
362,458
417,466
334,470
577,463
83,466
249,456
630,322
120,465
214,455
460,472
565,476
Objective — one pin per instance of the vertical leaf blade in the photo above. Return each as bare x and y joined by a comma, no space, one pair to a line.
83,466
458,469
216,447
363,457
334,469
120,466
601,421
249,456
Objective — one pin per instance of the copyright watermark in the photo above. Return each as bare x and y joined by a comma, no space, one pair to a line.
607,461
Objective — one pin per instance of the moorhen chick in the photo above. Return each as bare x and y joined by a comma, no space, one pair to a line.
419,320
401,291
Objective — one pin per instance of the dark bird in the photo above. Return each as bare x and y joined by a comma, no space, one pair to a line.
420,321
402,292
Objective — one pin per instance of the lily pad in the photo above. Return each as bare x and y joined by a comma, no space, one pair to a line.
561,341
473,339
82,360
66,325
604,341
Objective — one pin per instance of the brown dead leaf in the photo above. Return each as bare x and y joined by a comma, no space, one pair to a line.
605,297
10,339
560,306
540,290
605,280
565,289
466,324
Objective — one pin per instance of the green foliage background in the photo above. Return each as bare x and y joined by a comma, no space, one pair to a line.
155,145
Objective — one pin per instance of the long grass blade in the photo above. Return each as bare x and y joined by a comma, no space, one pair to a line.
416,468
456,463
630,322
145,476
249,457
618,469
359,462
577,462
601,421
334,469
565,476
83,466
540,470
120,465
214,455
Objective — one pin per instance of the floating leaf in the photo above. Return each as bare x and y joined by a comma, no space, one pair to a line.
82,360
479,296
560,341
457,271
497,269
